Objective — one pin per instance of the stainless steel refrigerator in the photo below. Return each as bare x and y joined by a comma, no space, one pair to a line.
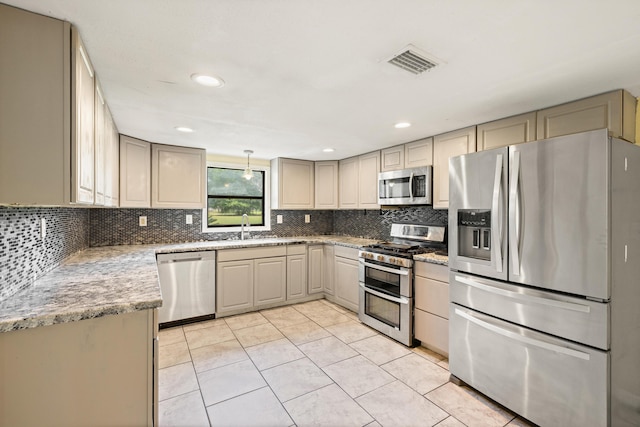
544,245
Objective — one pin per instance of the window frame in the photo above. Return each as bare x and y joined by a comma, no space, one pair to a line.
266,195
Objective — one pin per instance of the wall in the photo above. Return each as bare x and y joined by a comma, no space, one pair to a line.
120,226
24,256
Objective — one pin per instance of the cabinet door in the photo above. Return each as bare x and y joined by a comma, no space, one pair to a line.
178,177
82,124
418,153
508,131
346,283
329,267
135,173
296,276
445,146
270,280
392,158
101,137
613,110
295,179
348,180
234,285
432,331
34,108
111,164
326,183
369,169
315,268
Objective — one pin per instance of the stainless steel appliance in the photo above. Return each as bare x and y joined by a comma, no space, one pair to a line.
386,278
405,187
188,285
545,303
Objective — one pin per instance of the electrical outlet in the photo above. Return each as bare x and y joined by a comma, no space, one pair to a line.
43,228
142,221
279,219
307,218
189,219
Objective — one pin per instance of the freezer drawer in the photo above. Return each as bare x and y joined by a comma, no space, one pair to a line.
549,381
576,319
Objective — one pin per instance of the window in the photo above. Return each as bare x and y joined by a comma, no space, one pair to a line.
229,196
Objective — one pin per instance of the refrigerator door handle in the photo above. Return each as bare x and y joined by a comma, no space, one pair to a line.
496,215
526,299
514,226
523,338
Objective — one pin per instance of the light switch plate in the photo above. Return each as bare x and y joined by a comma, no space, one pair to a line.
142,221
279,219
189,219
307,218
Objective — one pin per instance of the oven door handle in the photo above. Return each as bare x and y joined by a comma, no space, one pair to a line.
401,300
402,272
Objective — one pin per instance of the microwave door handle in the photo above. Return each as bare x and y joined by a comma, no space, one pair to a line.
411,186
514,226
496,215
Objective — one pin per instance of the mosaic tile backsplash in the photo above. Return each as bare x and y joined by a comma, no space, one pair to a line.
24,256
111,227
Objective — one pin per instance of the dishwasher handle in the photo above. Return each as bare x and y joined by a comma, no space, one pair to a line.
169,261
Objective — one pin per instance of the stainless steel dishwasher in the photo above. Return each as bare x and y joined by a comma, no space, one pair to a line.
188,284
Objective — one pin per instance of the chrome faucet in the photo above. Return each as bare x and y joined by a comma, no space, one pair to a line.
245,217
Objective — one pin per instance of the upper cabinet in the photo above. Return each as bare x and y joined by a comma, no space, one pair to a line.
418,153
507,131
50,114
326,182
358,181
292,184
445,146
83,106
35,108
368,180
613,110
392,158
178,177
135,173
161,176
112,161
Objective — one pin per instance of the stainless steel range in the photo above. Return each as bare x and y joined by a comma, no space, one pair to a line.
386,278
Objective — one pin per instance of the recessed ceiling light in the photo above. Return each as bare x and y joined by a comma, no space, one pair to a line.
184,129
207,80
328,150
402,125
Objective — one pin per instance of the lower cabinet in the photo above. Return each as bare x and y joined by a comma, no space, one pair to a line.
253,278
296,271
431,315
112,361
328,269
316,274
346,283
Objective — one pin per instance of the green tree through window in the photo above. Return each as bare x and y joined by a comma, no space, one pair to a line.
229,196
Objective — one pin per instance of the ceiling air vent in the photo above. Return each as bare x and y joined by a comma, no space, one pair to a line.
413,60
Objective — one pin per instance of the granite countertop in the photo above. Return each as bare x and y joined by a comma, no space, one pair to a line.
110,280
433,258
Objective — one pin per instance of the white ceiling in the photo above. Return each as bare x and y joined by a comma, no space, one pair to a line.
302,75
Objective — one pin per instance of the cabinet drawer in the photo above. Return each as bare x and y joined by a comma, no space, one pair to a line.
432,331
345,252
432,296
296,249
432,271
251,253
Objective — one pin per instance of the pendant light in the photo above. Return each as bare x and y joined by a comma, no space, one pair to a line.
248,173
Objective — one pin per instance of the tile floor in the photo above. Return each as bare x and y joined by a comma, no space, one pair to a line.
308,364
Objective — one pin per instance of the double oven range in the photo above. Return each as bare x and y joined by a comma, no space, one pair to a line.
386,278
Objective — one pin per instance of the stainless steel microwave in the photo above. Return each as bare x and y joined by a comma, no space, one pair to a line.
405,187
